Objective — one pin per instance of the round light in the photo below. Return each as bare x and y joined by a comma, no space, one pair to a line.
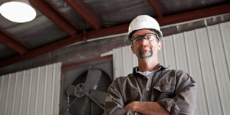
17,12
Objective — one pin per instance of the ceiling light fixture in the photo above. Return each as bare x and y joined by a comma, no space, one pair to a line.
18,12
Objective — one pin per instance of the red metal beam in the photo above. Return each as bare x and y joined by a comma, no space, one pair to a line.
107,31
54,16
41,50
187,16
196,14
85,13
12,44
86,62
154,5
116,30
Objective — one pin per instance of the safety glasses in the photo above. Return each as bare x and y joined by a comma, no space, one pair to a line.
147,36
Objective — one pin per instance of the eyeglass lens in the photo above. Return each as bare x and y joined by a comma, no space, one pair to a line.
148,36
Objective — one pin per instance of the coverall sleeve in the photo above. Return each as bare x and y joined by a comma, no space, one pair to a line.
184,102
114,103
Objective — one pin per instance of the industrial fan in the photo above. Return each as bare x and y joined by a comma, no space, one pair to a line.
86,95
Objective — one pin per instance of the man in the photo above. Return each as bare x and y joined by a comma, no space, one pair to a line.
151,89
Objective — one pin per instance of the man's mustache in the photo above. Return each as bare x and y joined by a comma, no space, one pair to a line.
143,46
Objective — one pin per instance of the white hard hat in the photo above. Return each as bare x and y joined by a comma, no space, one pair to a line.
144,22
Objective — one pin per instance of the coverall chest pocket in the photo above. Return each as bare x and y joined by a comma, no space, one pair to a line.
165,91
131,94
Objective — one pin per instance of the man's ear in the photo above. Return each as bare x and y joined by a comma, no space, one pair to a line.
159,45
132,49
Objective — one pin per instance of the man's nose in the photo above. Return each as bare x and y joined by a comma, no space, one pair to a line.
144,41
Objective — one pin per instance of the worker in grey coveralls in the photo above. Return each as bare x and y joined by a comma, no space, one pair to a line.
151,89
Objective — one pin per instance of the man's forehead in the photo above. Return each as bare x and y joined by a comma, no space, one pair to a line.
143,31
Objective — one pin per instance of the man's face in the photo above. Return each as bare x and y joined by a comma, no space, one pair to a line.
145,48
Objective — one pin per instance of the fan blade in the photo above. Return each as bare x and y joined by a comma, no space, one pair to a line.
83,107
94,100
99,96
92,79
70,90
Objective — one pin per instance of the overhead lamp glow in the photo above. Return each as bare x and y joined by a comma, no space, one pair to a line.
17,11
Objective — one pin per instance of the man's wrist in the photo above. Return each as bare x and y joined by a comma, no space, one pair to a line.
135,106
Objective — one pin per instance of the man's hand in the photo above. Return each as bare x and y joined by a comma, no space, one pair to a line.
131,106
146,108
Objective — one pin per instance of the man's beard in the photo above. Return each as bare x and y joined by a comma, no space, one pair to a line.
144,55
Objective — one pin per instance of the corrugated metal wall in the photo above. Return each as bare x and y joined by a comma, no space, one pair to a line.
203,53
31,92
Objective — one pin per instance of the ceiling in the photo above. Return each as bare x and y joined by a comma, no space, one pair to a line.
63,22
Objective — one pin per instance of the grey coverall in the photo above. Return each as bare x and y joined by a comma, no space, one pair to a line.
174,90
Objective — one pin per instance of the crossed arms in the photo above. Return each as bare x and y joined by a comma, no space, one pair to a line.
146,108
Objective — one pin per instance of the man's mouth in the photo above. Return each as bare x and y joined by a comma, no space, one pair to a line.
144,48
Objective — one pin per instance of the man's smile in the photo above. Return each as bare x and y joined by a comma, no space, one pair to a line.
145,48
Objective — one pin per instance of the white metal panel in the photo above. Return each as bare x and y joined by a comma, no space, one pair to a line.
195,70
25,92
18,91
127,59
135,61
31,92
37,99
46,84
225,33
10,91
56,89
225,28
4,95
14,75
205,54
180,52
169,52
48,90
117,65
208,74
220,65
41,91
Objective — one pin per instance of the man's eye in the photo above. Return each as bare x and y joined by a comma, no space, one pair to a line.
137,38
150,37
